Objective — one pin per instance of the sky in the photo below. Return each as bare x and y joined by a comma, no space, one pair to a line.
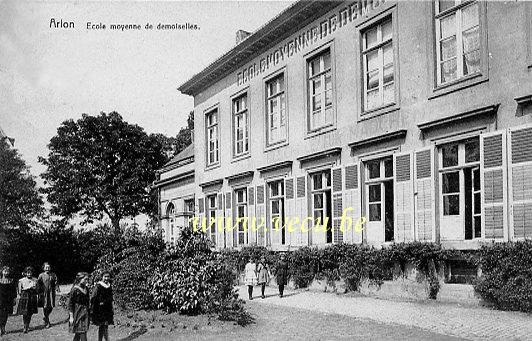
48,75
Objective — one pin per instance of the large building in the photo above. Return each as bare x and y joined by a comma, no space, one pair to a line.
413,119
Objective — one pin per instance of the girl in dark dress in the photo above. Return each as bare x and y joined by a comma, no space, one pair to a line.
27,291
8,294
47,284
102,306
78,307
281,273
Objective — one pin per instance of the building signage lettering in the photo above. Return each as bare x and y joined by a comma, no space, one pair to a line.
308,38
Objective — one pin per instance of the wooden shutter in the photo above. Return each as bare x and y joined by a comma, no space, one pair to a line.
220,241
289,213
404,197
424,194
201,213
352,204
301,210
337,204
261,215
521,181
494,185
252,233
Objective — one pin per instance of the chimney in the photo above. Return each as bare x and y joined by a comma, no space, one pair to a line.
241,35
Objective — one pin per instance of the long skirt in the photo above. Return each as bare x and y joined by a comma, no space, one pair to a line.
27,304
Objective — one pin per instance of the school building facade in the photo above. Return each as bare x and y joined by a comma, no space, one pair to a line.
414,116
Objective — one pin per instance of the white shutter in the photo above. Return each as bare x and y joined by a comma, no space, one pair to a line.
301,210
404,197
261,216
220,243
425,218
201,214
520,185
289,211
252,232
494,185
352,204
337,204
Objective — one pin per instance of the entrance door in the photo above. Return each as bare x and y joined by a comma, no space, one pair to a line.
379,201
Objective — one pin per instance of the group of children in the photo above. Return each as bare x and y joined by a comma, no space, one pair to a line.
259,273
31,293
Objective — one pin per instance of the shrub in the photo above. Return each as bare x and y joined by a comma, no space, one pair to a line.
303,265
506,280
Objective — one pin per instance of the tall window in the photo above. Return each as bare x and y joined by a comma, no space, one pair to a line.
380,196
457,39
320,91
211,123
321,200
188,209
211,217
276,201
241,211
276,107
378,61
170,212
240,126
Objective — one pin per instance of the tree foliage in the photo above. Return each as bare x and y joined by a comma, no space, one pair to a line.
20,202
174,145
101,165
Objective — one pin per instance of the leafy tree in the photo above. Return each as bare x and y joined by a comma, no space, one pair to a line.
174,145
101,165
20,202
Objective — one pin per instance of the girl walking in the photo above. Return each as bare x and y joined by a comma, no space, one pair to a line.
47,282
8,294
102,306
27,292
78,307
250,276
281,273
264,275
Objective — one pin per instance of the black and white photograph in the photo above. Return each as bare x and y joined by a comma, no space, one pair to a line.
265,170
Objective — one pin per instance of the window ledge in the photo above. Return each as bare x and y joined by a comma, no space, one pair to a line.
388,108
241,157
276,146
314,133
213,166
458,84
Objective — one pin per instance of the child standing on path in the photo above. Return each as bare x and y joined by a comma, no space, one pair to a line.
102,306
78,307
264,275
250,276
27,292
8,294
47,283
281,273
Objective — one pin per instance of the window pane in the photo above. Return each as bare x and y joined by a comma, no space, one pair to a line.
478,228
375,212
451,182
387,31
472,150
373,80
326,61
371,37
450,155
476,179
448,71
472,62
280,80
315,66
373,99
477,203
470,16
447,26
275,207
448,48
316,181
375,193
372,59
389,93
445,5
316,103
388,74
471,40
374,169
316,86
328,97
387,54
451,205
388,168
318,201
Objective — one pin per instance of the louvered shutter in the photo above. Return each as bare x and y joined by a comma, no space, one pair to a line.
252,233
220,242
424,194
404,197
521,181
201,214
494,185
352,204
337,204
290,205
301,210
261,216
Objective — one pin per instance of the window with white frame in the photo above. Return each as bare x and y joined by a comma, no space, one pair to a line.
188,209
211,217
170,213
380,195
276,110
378,65
321,200
320,91
241,212
211,124
458,46
276,206
240,126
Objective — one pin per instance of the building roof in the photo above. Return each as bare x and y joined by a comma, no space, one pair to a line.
185,154
290,20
